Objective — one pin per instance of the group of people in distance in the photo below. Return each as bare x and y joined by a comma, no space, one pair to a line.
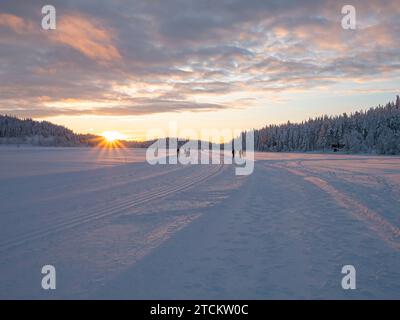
187,152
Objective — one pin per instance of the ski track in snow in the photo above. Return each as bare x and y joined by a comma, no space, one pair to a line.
116,227
110,209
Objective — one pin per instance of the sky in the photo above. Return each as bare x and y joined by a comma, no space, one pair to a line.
136,66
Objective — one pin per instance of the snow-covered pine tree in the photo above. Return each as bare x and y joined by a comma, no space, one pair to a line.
376,130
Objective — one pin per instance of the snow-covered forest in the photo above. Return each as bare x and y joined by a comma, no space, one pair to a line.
28,131
376,130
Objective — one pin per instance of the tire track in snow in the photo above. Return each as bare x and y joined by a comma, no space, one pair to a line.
108,211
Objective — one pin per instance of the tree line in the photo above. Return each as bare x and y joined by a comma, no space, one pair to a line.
376,130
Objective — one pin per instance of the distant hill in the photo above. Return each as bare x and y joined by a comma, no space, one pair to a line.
43,133
376,130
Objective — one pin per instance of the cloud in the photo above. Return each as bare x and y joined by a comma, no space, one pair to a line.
15,23
87,36
136,108
142,57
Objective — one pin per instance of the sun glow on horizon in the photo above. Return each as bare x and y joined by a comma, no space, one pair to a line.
112,136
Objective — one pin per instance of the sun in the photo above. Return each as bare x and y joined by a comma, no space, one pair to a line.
112,136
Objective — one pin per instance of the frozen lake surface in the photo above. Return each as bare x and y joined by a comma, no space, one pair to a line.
116,227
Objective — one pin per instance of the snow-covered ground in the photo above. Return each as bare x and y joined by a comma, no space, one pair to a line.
115,227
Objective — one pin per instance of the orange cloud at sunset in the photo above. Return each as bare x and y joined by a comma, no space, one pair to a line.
87,36
15,23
